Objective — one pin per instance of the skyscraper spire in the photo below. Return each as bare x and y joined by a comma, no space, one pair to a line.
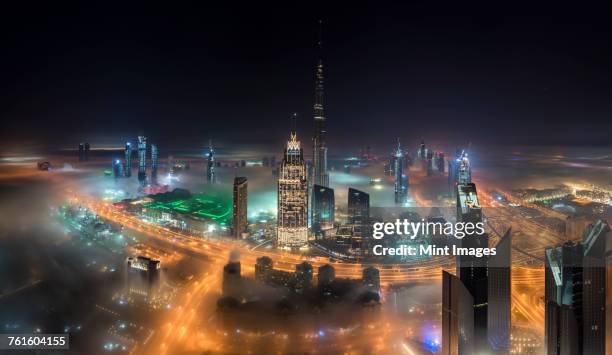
319,154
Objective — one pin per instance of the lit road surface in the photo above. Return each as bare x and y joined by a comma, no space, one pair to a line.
523,277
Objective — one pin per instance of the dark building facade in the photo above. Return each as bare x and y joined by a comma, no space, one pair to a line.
240,206
324,205
575,294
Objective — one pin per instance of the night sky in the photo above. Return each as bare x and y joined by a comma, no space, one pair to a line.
183,74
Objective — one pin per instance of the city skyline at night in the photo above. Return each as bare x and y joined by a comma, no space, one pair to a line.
333,179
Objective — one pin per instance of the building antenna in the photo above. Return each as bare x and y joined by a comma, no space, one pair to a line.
320,42
294,123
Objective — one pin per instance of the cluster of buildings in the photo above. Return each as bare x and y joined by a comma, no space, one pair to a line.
302,281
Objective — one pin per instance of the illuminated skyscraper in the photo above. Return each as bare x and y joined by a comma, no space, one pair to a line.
401,181
319,154
240,206
324,209
128,159
359,217
292,230
575,294
211,176
142,160
154,163
117,169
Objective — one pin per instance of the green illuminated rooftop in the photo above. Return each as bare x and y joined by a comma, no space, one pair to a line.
216,206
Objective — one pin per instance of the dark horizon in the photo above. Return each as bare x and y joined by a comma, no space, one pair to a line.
183,76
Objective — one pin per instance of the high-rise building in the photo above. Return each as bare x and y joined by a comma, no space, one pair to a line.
401,180
457,317
211,176
142,160
292,229
499,301
325,277
303,276
128,159
262,267
472,270
319,154
240,206
154,163
323,208
117,169
575,294
359,217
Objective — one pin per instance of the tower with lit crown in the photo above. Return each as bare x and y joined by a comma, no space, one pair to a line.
292,220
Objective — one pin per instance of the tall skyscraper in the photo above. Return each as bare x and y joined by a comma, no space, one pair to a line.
472,270
142,160
575,294
211,176
499,301
359,217
240,206
401,181
128,159
457,317
117,169
292,229
154,163
319,154
324,205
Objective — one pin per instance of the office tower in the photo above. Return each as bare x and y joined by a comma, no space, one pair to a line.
575,294
117,169
499,301
142,160
371,279
325,278
401,182
453,171
128,159
319,154
472,270
143,276
303,276
154,163
240,206
292,220
262,267
323,209
359,217
211,176
81,152
457,317
232,280
86,152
